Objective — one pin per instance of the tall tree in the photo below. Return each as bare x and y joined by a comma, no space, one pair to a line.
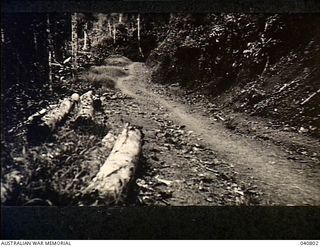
50,48
139,36
74,39
109,28
114,33
86,41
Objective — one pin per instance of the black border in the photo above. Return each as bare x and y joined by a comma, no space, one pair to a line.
161,222
160,6
246,223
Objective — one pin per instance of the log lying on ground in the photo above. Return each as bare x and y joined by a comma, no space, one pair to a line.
40,126
109,140
86,110
118,170
37,115
94,157
97,155
55,116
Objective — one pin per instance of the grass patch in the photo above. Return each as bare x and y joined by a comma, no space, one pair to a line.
98,80
116,60
108,70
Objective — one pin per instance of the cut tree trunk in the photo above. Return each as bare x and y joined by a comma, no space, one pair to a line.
37,115
39,127
55,116
112,180
86,111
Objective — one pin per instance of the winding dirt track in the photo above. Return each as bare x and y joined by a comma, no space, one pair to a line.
276,175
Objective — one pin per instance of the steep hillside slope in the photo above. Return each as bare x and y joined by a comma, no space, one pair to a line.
259,64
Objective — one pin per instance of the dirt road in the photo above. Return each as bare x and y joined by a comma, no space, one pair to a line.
191,160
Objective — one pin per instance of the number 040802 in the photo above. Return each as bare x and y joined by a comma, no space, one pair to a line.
309,243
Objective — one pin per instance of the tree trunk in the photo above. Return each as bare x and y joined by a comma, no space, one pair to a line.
86,111
138,34
138,27
55,116
50,49
109,28
3,67
39,127
106,146
114,33
86,41
85,38
74,39
37,115
118,170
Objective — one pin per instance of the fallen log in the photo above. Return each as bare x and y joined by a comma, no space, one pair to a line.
41,125
89,167
37,115
112,180
86,110
55,116
94,160
109,140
